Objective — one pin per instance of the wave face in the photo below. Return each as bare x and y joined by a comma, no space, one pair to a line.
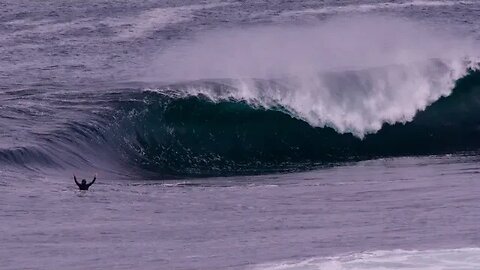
171,133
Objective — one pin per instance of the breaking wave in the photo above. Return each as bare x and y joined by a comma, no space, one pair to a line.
278,99
196,135
172,132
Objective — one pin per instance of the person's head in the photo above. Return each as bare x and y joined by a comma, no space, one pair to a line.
84,182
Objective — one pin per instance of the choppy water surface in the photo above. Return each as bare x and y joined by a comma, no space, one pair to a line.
263,222
240,134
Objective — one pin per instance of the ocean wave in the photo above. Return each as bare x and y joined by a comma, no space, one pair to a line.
180,134
268,99
358,8
462,258
176,132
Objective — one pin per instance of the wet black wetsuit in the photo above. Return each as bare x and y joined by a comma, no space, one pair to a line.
84,185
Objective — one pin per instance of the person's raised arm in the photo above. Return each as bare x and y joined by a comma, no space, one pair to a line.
75,179
93,181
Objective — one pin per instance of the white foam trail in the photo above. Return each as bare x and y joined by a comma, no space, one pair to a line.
359,8
351,74
47,26
27,22
447,259
155,19
126,28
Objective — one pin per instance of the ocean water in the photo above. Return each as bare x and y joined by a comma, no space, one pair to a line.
240,134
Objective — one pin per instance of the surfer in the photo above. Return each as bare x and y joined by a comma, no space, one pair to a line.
84,185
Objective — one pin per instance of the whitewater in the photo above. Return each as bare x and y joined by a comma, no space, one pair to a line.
240,134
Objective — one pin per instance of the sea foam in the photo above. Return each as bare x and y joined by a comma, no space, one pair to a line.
446,259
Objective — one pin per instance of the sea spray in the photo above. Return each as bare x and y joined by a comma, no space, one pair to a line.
353,75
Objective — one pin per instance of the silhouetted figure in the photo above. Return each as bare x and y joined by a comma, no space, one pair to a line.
84,185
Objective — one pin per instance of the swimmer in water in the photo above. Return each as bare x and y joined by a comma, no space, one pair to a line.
84,185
